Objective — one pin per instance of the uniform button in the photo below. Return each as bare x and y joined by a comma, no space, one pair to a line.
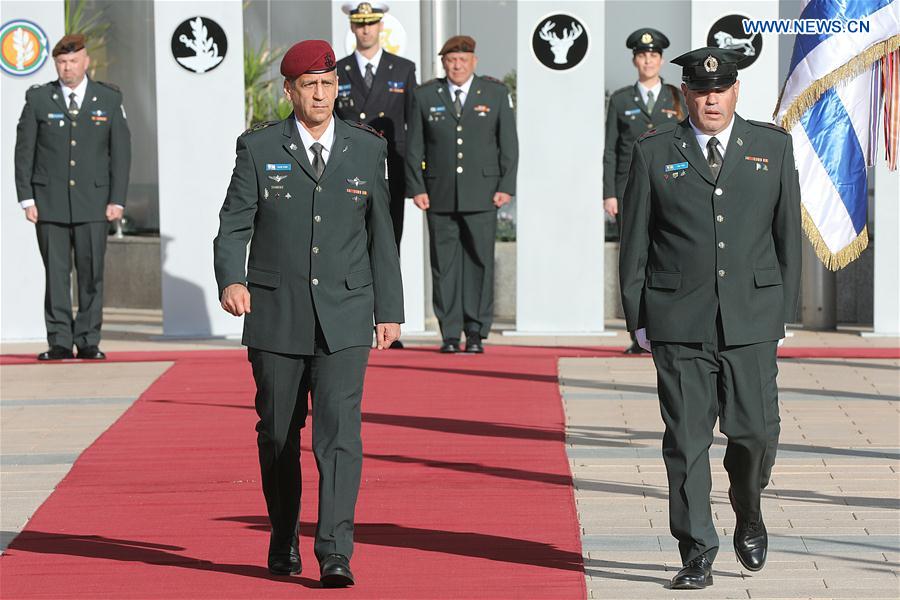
317,219
71,183
459,155
381,114
315,282
459,141
459,169
719,191
318,188
720,218
721,244
649,125
73,142
74,124
362,115
721,272
459,127
315,249
71,163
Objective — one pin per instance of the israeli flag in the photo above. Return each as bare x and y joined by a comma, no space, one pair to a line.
830,104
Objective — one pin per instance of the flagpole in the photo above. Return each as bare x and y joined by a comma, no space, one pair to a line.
818,308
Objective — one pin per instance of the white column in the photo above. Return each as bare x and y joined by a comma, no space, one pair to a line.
199,117
759,81
21,270
560,234
887,251
401,37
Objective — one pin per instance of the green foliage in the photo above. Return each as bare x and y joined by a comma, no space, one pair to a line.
90,24
510,80
506,227
263,99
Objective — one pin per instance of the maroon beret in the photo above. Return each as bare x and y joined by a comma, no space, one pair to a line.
458,43
308,56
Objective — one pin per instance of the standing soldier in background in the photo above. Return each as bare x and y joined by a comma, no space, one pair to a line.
461,166
73,155
375,88
632,111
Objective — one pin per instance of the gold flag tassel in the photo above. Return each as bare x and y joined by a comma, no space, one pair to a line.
833,260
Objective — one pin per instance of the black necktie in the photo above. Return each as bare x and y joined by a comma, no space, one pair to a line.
73,106
714,157
457,103
318,163
369,77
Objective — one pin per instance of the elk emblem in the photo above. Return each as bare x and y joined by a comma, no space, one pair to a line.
560,46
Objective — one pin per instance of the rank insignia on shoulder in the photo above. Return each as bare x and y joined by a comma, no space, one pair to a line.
768,125
365,127
259,126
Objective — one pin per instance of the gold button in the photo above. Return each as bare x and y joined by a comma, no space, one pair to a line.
721,244
315,249
317,219
459,141
362,115
73,142
720,218
71,183
71,163
315,282
459,169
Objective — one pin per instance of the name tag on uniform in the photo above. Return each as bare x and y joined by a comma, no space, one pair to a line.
676,167
55,115
344,90
632,111
278,166
437,109
397,87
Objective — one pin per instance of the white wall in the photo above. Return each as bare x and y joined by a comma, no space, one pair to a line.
199,117
412,246
560,210
21,270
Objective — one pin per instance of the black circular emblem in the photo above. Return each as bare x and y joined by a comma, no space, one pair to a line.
728,34
560,42
199,44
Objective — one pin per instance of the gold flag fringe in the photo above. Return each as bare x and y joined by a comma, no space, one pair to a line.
856,65
833,260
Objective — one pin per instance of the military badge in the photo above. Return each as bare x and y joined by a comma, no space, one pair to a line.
711,64
646,38
482,110
356,181
277,178
396,87
23,47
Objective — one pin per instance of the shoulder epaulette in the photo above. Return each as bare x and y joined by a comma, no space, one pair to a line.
430,81
111,86
259,126
769,125
493,80
365,127
622,90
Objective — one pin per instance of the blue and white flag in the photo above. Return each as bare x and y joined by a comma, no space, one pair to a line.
830,105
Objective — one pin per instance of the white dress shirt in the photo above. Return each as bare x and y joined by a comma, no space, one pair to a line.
327,140
362,61
656,89
464,87
722,137
80,91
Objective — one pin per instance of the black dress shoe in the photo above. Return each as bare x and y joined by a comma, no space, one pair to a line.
473,344
91,353
56,353
450,346
695,575
285,565
634,348
397,345
336,571
751,541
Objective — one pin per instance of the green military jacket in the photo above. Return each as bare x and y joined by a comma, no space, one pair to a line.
692,246
462,162
627,118
73,166
321,251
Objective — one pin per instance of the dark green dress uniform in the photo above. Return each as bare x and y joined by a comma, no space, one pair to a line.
711,268
385,107
73,165
461,162
322,262
627,118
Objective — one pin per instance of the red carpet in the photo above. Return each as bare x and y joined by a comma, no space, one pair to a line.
466,489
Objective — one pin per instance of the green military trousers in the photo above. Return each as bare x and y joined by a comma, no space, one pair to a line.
698,383
57,242
334,380
462,271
